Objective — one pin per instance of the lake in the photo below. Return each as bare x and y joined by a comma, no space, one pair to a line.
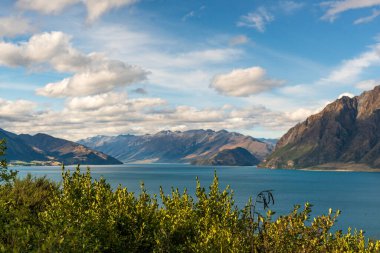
356,194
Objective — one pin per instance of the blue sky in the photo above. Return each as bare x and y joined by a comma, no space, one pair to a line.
78,68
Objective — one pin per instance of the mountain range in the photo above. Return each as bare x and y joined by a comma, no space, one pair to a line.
43,149
176,147
344,135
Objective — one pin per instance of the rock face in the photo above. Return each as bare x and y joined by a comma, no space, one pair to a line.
45,149
346,132
229,157
174,147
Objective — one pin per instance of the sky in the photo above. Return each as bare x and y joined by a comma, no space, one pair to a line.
80,68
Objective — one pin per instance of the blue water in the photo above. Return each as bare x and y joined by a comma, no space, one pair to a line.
356,194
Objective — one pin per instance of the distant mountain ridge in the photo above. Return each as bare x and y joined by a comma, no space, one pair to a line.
345,135
45,149
172,147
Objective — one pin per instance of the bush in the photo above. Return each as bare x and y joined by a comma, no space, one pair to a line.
6,175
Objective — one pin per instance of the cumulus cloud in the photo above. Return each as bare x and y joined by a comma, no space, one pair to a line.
239,40
53,47
20,110
364,20
336,7
13,26
93,73
244,82
111,76
301,114
95,8
351,69
257,19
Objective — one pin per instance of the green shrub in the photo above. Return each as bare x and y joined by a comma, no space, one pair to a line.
6,175
20,206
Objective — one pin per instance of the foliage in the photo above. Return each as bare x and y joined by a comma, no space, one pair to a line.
20,206
5,174
87,215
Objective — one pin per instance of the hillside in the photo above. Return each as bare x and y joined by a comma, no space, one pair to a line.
344,135
229,157
172,147
45,149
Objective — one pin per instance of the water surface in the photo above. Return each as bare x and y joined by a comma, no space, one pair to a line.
356,194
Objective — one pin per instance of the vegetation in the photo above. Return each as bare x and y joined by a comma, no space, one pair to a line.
87,215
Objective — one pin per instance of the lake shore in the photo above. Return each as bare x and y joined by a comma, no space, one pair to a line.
336,167
343,167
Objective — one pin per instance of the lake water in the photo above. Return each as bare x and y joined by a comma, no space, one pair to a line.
356,194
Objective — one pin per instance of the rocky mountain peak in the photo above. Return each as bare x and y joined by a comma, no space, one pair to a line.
347,131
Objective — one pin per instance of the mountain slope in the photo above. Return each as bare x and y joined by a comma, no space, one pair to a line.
345,133
229,157
168,146
47,149
17,149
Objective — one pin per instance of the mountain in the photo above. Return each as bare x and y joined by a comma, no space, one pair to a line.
229,157
345,135
172,147
271,142
45,149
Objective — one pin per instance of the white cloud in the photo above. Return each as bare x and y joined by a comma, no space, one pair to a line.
290,7
375,14
239,40
95,8
301,114
111,101
19,110
13,26
336,7
45,47
45,6
346,94
367,84
93,73
92,82
257,19
114,113
170,65
244,82
351,69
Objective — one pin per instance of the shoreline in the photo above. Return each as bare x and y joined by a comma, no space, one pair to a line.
336,167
